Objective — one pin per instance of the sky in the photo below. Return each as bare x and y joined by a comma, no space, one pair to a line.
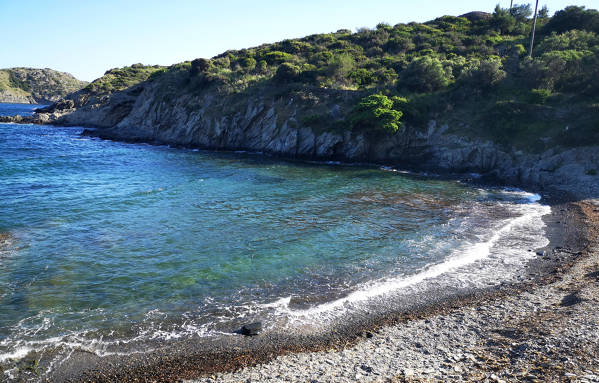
88,37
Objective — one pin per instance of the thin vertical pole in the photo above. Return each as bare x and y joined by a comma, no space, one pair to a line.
511,6
534,27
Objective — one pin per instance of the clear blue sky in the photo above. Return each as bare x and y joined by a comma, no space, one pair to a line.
87,37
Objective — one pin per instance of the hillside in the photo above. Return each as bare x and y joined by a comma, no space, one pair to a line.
36,86
456,93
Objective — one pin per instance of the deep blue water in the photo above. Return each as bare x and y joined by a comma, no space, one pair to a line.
18,109
115,241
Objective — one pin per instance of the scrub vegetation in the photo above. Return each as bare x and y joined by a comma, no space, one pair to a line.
36,85
473,72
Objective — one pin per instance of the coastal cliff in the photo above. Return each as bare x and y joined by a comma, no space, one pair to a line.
36,86
278,126
455,94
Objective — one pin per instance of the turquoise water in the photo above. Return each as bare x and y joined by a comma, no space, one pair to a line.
115,241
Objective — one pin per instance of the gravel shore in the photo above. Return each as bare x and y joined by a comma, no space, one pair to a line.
547,333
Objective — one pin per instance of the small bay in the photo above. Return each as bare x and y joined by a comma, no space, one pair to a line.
103,242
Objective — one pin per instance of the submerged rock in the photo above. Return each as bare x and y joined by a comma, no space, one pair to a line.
251,329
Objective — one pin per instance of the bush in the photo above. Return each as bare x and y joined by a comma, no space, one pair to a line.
539,96
483,75
262,66
341,65
377,113
199,66
277,57
425,74
249,63
287,72
400,44
362,77
571,40
519,50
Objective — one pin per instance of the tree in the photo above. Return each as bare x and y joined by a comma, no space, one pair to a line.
521,12
377,113
534,27
341,65
502,20
573,17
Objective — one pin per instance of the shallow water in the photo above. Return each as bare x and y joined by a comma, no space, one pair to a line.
104,242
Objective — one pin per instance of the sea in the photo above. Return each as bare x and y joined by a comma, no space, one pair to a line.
109,247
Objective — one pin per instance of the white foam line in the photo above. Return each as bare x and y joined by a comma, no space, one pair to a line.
475,253
19,353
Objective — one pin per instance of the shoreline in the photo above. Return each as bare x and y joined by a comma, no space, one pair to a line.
559,193
544,332
192,359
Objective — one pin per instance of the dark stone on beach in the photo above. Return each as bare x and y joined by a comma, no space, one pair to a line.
366,368
571,300
251,329
365,334
541,253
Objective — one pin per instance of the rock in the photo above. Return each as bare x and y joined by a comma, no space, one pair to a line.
251,329
571,300
541,253
366,368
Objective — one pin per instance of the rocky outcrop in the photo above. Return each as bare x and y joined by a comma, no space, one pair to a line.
277,125
9,96
36,86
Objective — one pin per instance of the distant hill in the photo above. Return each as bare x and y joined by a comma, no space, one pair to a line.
36,86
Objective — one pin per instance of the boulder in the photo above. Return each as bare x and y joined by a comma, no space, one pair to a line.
251,329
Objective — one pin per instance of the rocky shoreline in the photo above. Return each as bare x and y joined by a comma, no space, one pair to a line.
469,337
465,321
545,331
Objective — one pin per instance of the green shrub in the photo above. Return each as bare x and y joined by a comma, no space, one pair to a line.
249,63
200,66
341,65
482,75
287,72
539,96
362,77
277,57
425,74
519,50
262,66
376,113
